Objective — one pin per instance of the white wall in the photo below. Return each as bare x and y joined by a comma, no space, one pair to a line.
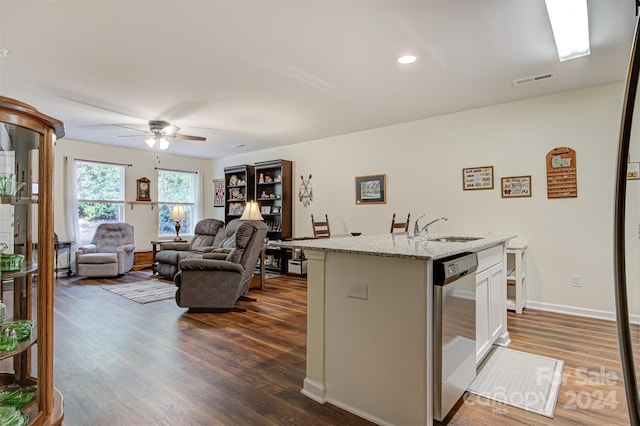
144,162
423,161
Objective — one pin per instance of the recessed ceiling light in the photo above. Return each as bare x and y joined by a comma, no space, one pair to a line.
407,59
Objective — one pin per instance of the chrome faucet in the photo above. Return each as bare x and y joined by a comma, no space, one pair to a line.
417,231
416,227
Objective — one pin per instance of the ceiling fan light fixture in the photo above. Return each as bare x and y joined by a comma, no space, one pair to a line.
151,141
163,143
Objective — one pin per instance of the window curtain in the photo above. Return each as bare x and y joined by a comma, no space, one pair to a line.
197,199
71,206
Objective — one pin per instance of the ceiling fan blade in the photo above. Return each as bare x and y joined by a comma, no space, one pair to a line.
189,138
131,128
130,136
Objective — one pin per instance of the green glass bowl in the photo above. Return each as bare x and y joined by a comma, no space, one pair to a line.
21,327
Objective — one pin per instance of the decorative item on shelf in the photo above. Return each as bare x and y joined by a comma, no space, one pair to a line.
275,210
11,262
143,189
263,194
251,212
233,180
267,179
278,179
177,214
236,209
261,179
265,210
236,194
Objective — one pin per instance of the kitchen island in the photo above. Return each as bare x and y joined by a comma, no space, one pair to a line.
370,319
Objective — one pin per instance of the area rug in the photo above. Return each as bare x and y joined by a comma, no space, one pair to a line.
144,291
520,379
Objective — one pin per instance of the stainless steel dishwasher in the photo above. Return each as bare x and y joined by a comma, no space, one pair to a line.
454,329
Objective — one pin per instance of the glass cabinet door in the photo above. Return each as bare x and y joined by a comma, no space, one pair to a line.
27,138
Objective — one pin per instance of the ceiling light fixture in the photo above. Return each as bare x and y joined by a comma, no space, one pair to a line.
163,142
407,59
570,25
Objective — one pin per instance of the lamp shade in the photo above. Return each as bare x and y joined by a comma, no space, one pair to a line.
177,213
251,212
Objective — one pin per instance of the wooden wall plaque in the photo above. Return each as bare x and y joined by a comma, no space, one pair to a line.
562,175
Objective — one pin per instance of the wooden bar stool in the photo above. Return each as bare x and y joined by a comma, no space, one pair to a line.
321,229
397,225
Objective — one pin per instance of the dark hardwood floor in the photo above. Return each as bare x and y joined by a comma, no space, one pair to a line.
118,362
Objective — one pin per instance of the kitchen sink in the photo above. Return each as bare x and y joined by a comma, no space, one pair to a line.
454,239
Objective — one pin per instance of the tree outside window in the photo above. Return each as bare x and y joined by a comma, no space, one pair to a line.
175,188
100,196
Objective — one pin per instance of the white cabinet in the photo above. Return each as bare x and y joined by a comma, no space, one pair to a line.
516,276
491,311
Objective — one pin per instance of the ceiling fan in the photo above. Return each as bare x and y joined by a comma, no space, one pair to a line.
161,131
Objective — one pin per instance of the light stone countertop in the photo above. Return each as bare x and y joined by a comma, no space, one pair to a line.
400,245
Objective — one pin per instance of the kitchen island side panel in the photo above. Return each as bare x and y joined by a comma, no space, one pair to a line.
378,350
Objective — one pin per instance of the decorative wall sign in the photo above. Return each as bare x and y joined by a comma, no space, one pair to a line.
562,173
218,193
477,178
305,194
371,189
516,186
633,171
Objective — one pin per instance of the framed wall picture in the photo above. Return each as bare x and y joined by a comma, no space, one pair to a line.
275,210
516,186
143,189
633,171
218,193
477,178
371,189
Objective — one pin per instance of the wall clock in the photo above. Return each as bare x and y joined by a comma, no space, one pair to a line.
143,189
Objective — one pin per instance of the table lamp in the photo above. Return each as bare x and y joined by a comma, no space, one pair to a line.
177,214
251,212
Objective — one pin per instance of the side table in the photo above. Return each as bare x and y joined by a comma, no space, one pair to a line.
154,245
63,245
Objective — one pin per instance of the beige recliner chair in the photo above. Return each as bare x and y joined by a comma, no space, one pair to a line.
110,253
220,278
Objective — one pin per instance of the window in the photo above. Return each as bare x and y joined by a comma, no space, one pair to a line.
100,196
176,188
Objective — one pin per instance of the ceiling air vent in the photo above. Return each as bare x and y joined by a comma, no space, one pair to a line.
533,79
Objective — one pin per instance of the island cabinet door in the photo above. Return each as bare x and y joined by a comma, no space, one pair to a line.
497,297
483,342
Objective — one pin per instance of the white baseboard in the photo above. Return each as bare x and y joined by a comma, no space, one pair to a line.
582,312
314,390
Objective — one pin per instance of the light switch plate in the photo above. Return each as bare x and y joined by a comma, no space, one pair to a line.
358,291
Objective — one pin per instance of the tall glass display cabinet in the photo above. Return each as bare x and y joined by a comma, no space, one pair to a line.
27,139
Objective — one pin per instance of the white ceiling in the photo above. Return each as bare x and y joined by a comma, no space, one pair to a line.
270,73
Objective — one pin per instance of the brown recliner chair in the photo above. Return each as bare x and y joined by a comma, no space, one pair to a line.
173,252
217,280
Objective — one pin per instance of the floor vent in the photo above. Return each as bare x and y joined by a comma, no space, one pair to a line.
533,78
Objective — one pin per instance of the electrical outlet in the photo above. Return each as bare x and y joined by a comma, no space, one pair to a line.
576,280
358,291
